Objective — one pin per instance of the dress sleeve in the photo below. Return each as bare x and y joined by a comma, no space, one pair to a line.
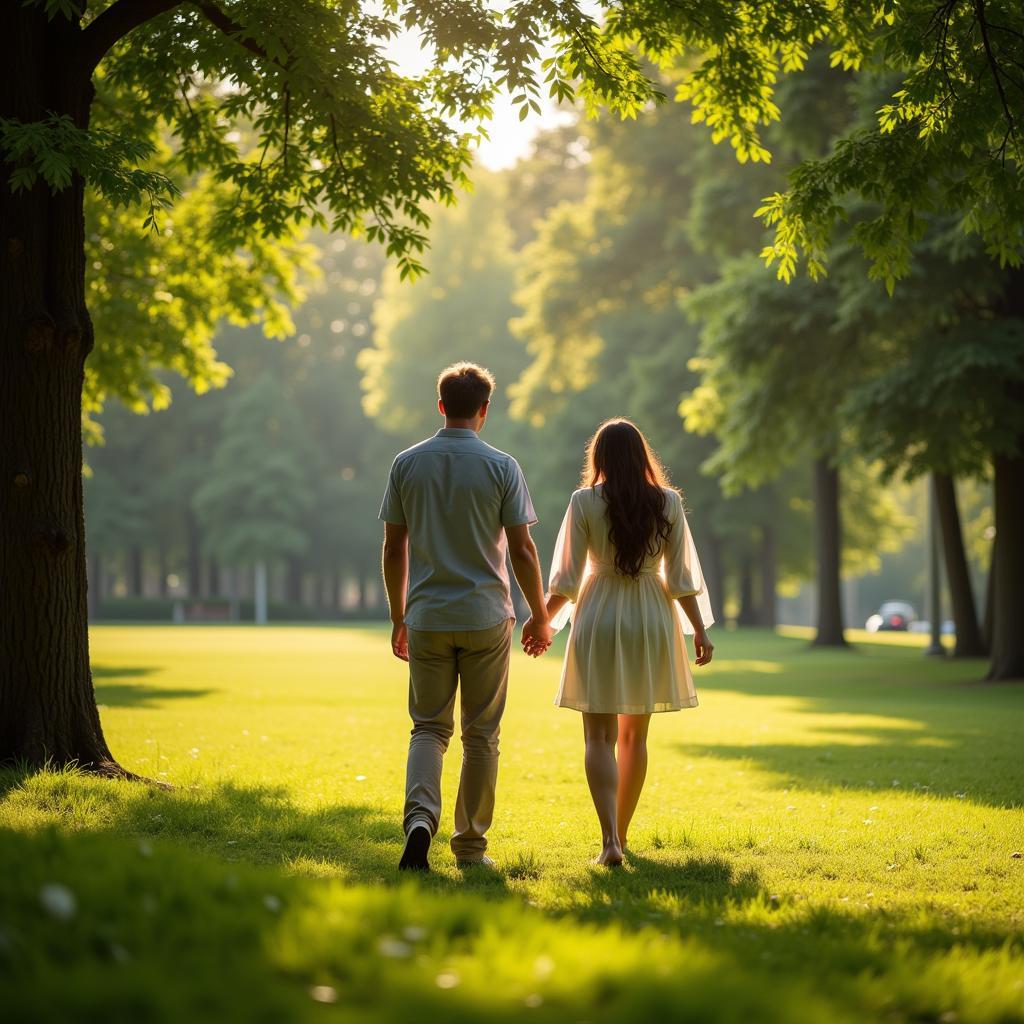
569,562
682,571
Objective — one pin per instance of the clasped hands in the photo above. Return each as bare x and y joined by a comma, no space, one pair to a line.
537,635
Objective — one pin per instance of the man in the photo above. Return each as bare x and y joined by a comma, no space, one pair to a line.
454,506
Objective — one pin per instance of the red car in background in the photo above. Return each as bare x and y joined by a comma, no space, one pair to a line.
892,616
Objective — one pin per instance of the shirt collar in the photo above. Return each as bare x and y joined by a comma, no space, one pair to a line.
456,432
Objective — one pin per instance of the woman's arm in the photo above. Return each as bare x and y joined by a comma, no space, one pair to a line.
702,646
555,603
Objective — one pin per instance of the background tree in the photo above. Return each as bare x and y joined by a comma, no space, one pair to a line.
251,507
945,400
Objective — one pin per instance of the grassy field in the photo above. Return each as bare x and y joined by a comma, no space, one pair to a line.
828,837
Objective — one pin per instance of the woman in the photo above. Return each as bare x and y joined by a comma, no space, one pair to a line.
625,556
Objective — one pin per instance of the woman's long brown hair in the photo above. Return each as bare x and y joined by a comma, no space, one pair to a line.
619,457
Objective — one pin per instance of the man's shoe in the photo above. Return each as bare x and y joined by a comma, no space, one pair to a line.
483,862
414,856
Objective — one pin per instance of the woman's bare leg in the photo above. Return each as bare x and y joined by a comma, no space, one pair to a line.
632,767
599,733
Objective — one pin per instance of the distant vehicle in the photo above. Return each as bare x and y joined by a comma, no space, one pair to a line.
892,616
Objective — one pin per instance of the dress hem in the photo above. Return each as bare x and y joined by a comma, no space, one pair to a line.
626,709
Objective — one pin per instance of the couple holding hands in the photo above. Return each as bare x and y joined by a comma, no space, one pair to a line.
624,570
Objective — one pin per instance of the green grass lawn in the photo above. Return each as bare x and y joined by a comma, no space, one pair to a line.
828,837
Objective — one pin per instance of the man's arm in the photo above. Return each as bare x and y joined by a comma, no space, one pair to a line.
395,563
526,565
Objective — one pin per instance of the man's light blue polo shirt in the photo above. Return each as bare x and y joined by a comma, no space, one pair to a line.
456,494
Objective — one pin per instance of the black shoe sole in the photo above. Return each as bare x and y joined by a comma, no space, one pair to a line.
414,856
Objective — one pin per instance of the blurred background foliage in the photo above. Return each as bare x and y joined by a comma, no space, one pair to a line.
614,271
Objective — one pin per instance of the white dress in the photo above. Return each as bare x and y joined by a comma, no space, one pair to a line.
626,654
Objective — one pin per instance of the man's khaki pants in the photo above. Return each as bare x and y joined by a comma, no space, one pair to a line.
438,662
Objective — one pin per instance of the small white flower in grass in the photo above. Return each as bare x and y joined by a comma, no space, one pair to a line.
895,783
323,994
272,903
145,849
393,948
533,1000
194,751
414,933
869,821
791,807
58,901
875,808
447,979
959,796
360,778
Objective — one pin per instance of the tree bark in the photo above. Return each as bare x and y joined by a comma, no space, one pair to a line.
1007,654
768,577
828,550
47,705
969,641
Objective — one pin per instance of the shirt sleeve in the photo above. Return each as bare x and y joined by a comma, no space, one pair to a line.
516,505
682,570
570,559
391,510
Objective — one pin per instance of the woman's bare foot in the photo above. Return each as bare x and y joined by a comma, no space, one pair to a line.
610,856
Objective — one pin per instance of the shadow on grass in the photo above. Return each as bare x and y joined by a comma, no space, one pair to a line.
241,890
135,694
931,733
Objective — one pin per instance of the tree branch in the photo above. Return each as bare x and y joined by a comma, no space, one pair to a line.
114,24
979,7
232,28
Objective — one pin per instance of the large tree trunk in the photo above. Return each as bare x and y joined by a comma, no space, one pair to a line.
969,642
1008,587
827,538
47,706
768,574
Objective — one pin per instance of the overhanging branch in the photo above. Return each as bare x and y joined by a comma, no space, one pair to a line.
115,23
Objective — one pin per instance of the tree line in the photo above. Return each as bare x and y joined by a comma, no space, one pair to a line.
276,118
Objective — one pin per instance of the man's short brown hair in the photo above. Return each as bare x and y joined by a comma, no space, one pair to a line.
463,389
